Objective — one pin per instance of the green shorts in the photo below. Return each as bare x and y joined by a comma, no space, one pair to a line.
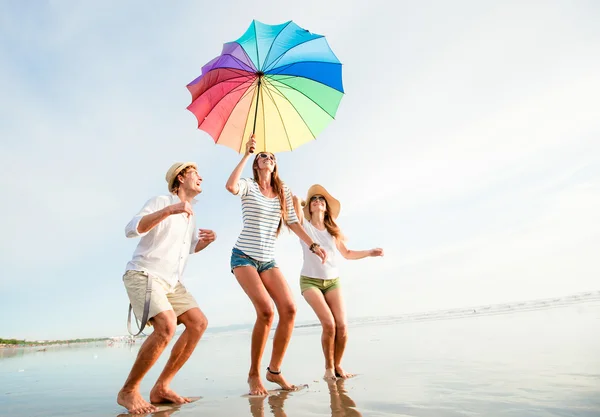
323,285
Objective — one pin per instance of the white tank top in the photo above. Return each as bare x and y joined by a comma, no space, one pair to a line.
312,266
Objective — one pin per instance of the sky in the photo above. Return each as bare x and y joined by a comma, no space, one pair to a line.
467,146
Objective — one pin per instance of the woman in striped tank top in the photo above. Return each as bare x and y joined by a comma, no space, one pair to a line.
266,204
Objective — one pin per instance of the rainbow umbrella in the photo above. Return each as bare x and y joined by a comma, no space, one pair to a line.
280,82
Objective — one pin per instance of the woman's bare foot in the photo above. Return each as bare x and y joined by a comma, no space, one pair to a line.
134,403
277,378
329,375
256,386
160,394
340,373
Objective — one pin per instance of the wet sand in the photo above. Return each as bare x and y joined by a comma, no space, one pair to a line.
541,363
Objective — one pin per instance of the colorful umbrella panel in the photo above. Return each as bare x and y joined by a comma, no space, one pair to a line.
279,81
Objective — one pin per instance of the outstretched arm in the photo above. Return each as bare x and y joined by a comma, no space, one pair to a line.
232,183
356,254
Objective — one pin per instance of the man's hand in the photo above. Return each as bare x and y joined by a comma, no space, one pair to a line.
207,236
183,207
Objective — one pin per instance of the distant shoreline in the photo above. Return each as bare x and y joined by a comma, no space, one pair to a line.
16,343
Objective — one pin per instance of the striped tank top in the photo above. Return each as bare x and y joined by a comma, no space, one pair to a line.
261,216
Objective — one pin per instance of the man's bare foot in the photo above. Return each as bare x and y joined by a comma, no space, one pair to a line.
340,373
256,386
277,378
161,394
134,403
329,375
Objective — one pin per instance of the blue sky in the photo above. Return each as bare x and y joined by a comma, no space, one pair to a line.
467,146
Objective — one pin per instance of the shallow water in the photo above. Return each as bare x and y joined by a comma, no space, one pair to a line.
537,363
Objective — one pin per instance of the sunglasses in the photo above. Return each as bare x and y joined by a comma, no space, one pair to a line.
318,198
263,155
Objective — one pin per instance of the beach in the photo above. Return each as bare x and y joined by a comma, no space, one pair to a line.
534,363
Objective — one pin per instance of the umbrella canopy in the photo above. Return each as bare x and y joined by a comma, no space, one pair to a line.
280,82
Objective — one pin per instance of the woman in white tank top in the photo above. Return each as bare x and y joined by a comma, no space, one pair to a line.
319,282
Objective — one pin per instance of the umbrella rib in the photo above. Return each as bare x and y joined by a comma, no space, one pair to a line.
247,115
238,60
256,43
240,72
288,50
283,68
229,116
280,118
223,81
236,88
274,39
297,112
254,69
317,104
221,99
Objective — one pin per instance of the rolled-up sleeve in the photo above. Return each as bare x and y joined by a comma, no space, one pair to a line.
152,205
291,213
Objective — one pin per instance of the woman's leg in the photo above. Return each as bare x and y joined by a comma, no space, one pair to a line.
314,297
250,281
279,290
336,303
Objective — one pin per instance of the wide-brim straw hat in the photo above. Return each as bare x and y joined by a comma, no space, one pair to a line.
174,171
333,204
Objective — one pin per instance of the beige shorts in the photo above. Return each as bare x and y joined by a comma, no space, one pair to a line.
163,297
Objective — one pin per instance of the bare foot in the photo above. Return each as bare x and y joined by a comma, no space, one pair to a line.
278,379
340,373
329,375
134,403
256,386
160,395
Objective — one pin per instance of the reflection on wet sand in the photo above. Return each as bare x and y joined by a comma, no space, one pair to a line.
341,403
164,412
257,404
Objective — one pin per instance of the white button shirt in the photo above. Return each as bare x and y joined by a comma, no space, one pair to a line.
163,251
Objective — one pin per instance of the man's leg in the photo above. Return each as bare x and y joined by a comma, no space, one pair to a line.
164,324
195,323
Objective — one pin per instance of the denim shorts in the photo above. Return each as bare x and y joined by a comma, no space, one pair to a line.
239,258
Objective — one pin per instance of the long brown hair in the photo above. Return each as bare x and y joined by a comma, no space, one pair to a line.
330,224
277,185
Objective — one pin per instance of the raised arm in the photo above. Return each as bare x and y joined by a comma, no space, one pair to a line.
356,254
232,183
154,212
298,209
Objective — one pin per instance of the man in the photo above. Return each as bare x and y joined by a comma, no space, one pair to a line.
167,227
